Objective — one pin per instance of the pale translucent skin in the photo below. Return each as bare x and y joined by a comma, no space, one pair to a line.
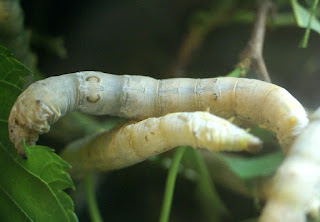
141,97
136,142
295,188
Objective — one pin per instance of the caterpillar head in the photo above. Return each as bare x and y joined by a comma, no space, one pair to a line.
29,117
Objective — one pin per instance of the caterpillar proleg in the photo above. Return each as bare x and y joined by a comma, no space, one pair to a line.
136,142
296,184
141,97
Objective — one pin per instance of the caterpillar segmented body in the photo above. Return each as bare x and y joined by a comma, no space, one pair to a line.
136,142
140,97
296,185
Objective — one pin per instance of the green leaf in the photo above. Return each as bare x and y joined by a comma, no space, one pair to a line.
250,220
32,189
237,72
302,16
309,2
249,168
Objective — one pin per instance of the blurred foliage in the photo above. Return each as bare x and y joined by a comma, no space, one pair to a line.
305,19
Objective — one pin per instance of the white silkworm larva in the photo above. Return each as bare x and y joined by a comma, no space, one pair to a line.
140,97
296,184
136,142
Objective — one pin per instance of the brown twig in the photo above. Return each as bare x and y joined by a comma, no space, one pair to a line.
197,34
190,44
252,54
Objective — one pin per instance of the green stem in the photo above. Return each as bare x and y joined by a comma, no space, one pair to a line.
91,200
216,210
170,183
305,39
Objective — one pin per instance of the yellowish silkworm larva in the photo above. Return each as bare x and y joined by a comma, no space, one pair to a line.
136,142
141,97
295,188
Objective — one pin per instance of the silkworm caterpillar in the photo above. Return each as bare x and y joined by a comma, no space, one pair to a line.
136,142
296,184
140,97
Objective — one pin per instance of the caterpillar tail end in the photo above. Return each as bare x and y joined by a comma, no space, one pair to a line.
254,145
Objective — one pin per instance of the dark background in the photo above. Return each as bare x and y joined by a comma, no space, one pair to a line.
143,37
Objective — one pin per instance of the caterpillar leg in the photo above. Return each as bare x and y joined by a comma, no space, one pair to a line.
136,142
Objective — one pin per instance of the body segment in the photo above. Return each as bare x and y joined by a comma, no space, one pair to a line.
140,97
295,187
136,142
